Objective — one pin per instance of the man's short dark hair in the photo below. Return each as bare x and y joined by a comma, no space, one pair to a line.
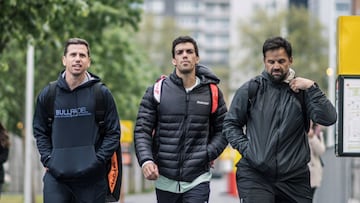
76,41
184,39
276,43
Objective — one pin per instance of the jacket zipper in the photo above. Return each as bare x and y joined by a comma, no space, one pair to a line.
277,141
181,161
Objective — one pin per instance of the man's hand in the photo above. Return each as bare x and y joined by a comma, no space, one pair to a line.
150,171
311,133
299,83
212,164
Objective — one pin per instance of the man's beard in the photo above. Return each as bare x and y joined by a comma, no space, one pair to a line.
185,70
278,78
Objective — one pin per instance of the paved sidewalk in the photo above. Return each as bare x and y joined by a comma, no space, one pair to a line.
218,194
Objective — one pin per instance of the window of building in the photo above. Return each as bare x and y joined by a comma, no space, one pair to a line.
342,7
187,21
187,6
224,7
210,7
156,6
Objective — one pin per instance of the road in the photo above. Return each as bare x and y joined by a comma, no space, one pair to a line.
219,194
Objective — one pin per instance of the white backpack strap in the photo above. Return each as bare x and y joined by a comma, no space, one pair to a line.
157,88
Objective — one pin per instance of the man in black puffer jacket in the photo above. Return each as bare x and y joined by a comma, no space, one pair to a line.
274,146
178,138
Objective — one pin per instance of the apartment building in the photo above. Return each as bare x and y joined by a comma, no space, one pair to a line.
208,21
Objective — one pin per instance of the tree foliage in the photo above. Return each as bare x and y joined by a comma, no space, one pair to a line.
300,28
109,27
51,21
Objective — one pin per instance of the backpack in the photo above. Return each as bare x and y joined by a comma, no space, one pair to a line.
114,165
213,89
253,88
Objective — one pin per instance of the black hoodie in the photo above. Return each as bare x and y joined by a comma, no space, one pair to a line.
73,149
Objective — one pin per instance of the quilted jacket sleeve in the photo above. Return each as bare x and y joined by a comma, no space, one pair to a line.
144,127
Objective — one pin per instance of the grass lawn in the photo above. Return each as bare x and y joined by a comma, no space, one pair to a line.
17,198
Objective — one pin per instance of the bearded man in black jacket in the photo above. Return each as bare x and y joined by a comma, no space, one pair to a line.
274,144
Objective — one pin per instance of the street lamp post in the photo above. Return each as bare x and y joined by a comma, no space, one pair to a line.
28,122
332,67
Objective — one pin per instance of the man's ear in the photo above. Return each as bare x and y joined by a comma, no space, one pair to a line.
89,64
63,61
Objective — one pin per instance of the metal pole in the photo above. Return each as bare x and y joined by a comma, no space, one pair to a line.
28,122
332,66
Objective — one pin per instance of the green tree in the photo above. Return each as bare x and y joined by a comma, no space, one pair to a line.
123,66
107,25
51,21
301,29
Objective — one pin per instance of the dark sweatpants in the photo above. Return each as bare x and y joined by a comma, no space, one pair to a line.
92,191
198,194
255,188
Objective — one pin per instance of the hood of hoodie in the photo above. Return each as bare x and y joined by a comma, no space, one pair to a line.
63,85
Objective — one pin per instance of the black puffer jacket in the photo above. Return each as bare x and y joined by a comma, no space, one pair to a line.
182,146
275,142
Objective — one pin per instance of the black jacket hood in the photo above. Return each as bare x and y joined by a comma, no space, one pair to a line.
204,73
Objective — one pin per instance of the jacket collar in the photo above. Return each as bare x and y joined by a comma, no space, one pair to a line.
204,73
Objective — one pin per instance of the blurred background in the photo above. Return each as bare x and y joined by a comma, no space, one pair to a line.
130,43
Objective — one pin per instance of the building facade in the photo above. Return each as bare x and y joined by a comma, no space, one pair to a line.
207,21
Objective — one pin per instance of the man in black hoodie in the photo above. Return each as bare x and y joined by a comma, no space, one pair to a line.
177,136
71,148
270,129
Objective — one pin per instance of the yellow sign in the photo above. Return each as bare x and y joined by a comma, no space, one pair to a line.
230,154
348,45
127,131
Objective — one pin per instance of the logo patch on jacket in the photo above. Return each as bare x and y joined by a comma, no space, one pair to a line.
68,113
202,103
